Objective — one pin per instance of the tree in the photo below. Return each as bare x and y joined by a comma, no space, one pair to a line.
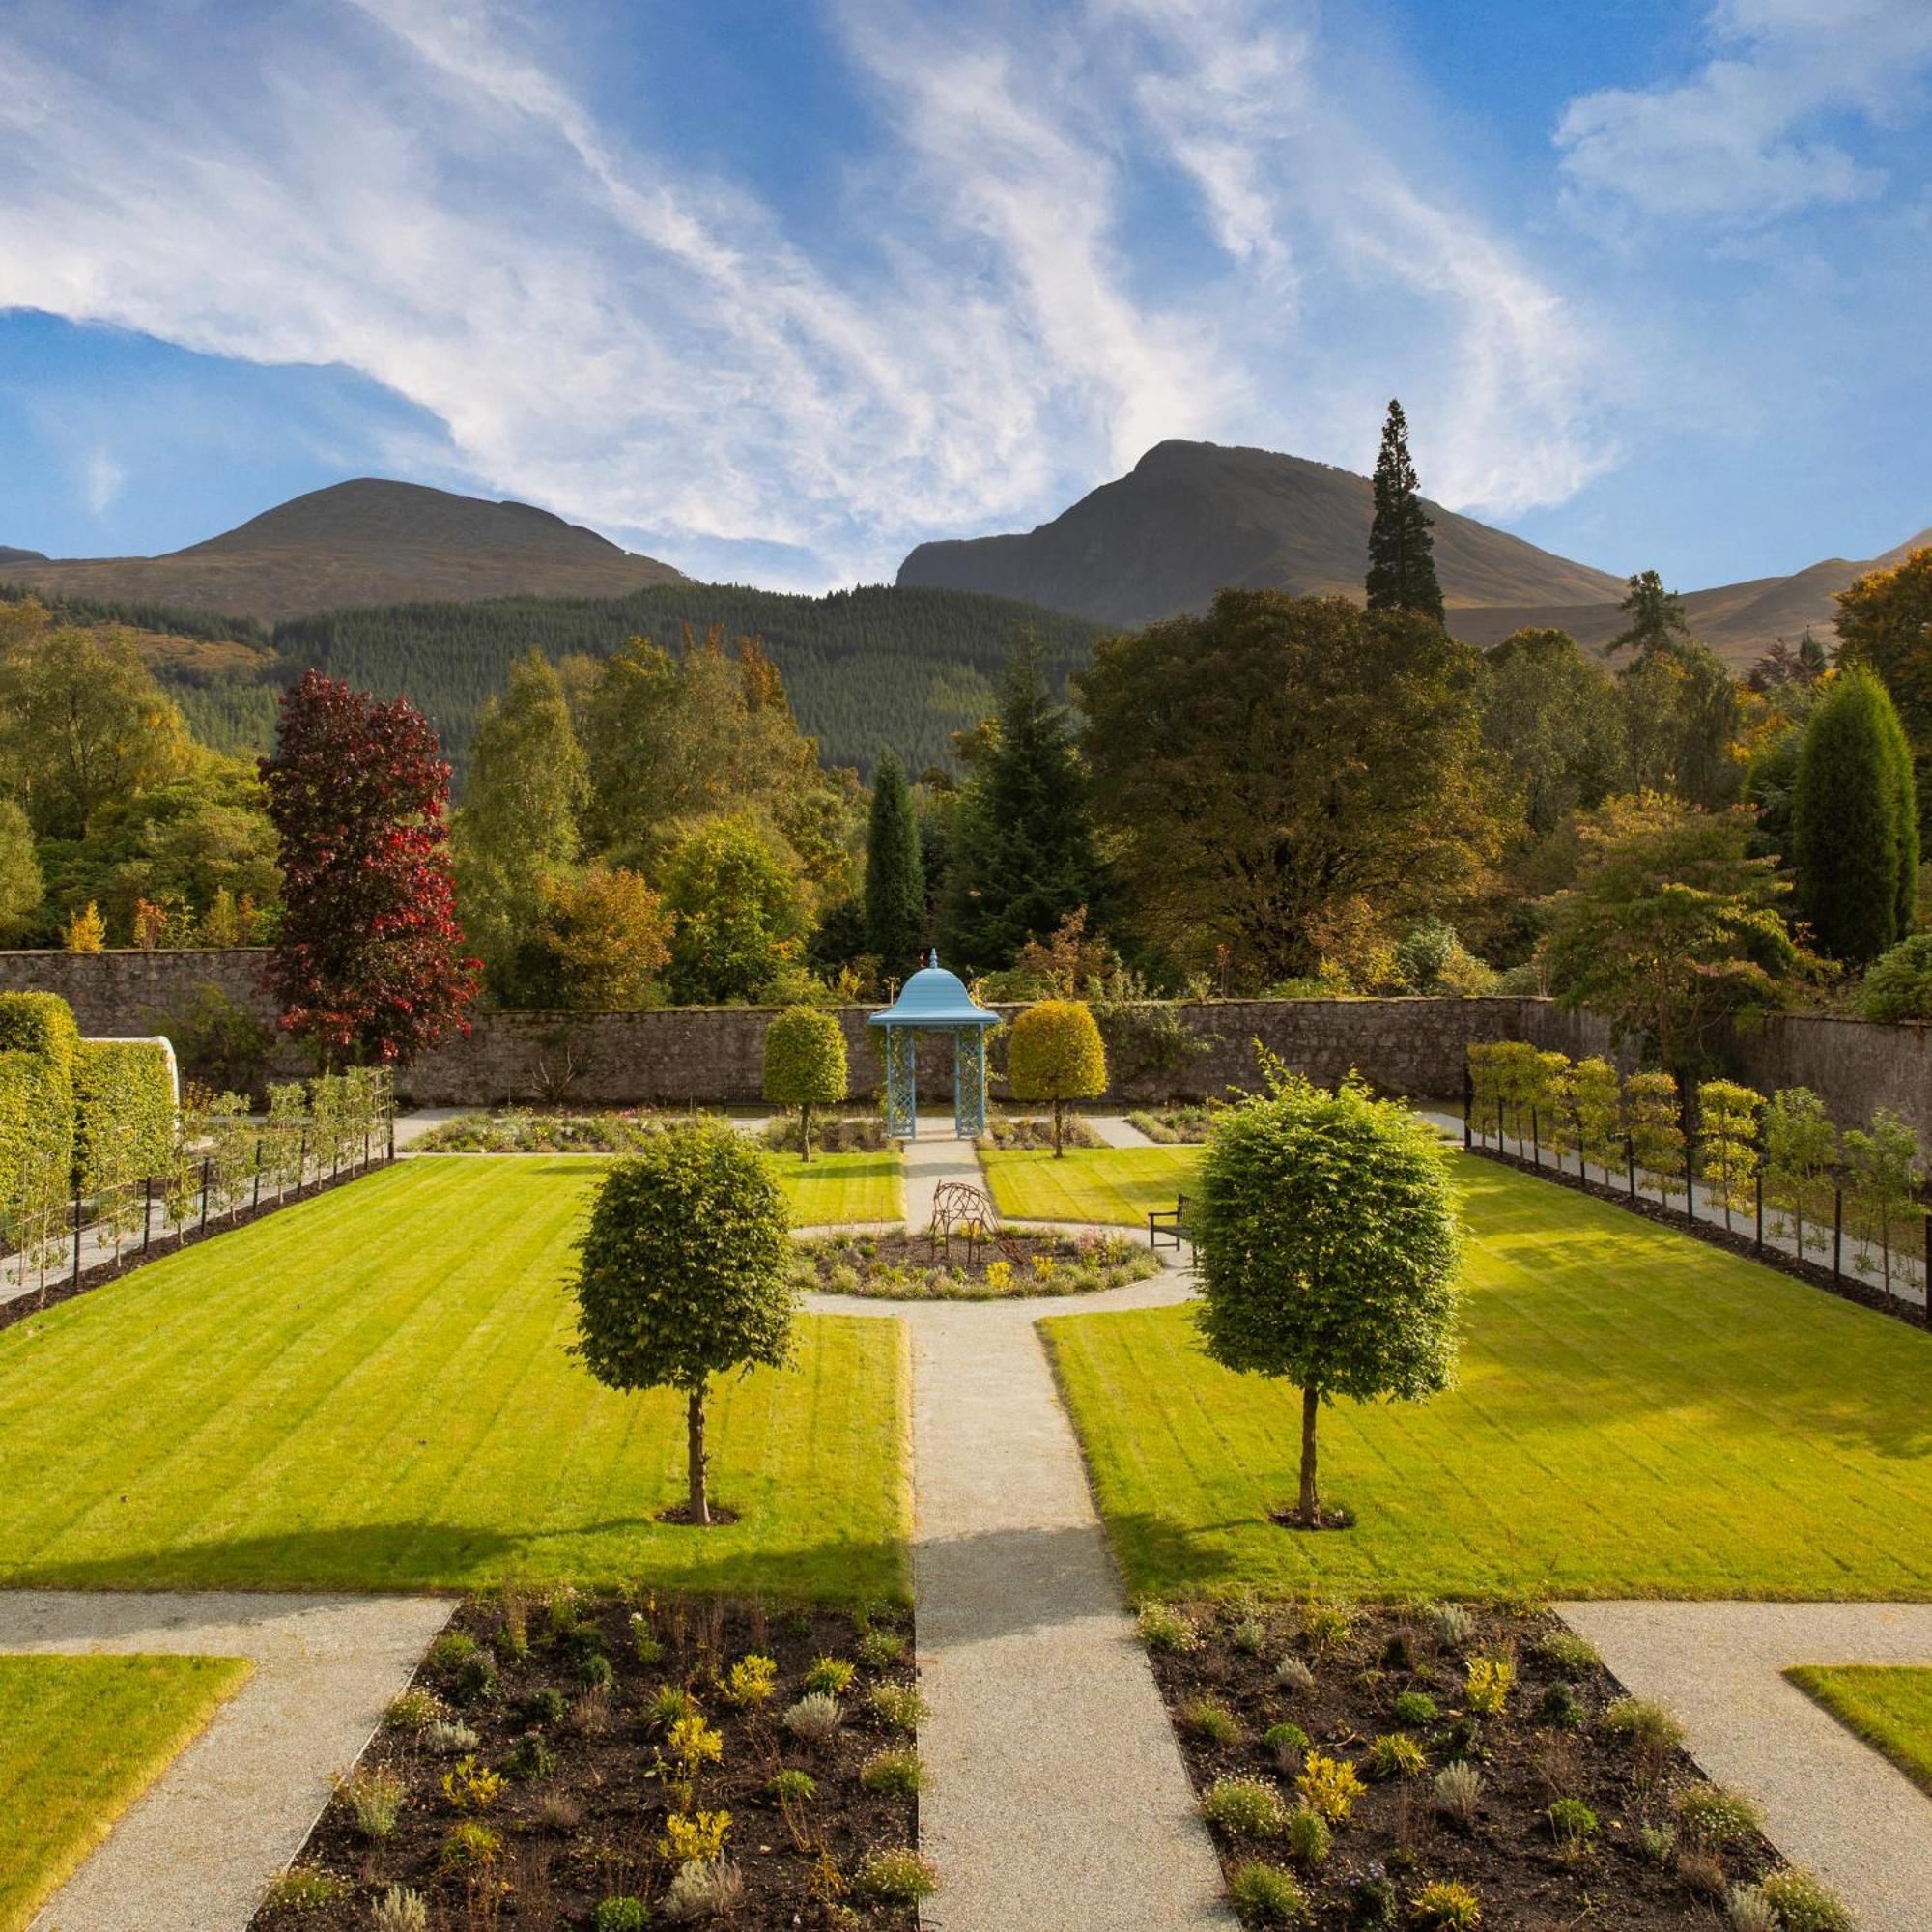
370,959
686,1273
1854,821
85,931
1326,1248
1682,715
1801,1146
22,887
739,913
516,837
805,1065
1885,623
1402,560
1728,1128
599,946
1899,984
1553,713
895,878
1673,926
1056,1054
1024,855
82,724
1656,619
1281,772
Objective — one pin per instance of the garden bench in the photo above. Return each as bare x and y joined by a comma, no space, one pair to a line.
1169,1227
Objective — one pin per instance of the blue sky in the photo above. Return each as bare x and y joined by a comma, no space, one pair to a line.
774,289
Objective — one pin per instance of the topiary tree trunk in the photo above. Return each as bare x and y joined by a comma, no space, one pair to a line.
699,1503
1311,1501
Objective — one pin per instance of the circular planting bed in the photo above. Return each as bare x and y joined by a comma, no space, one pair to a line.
901,1267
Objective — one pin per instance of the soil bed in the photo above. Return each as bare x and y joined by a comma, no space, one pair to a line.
1170,1126
519,1132
831,1133
1026,1131
900,1267
1547,1743
581,1814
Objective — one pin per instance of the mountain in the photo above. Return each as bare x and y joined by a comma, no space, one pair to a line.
8,554
1191,517
364,542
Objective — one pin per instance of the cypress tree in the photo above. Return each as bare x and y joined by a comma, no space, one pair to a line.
1401,553
894,879
1024,855
1854,821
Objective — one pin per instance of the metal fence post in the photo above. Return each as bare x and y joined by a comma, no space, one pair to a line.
1760,1207
148,1215
258,1175
1925,1269
204,1194
1468,1103
1838,1233
1535,1141
301,1164
1691,1183
1629,1162
76,1233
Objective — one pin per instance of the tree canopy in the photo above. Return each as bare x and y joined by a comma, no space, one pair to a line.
1056,1054
1885,622
895,878
1401,553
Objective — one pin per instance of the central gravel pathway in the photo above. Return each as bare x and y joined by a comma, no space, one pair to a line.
1059,1802
195,1852
1830,1801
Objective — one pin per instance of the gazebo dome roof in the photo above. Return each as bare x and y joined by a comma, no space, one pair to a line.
933,997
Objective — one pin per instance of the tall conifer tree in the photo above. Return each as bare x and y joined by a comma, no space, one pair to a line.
895,878
1854,821
1401,553
1024,855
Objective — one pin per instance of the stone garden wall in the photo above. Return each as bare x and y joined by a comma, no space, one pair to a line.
676,1055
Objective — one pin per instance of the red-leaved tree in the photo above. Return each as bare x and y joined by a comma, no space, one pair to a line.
370,963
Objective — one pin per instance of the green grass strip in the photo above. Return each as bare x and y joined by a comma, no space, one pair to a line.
1637,1414
373,1390
1890,1706
1116,1185
80,1738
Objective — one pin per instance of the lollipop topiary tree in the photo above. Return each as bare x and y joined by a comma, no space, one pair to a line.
1056,1055
805,1065
1327,1245
686,1273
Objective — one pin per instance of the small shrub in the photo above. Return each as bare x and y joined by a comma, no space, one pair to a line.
880,1649
1393,1755
1294,1675
1750,1911
814,1718
1373,1901
1700,1870
1803,1904
703,1891
1444,1905
690,1744
671,1705
1638,1725
559,1812
1415,1706
644,1642
447,1739
1267,1895
470,1844
1211,1721
304,1890
1161,1627
623,1915
453,1650
1325,1626
470,1786
1309,1836
1458,1792
1565,1651
1244,1808
413,1710
1287,1742
895,1876
1714,1818
1656,1842
1329,1786
831,1675
1488,1684
1453,1626
794,1786
751,1681
531,1761
1249,1637
695,1837
899,1705
1572,1822
899,1773
546,1706
593,1670
1463,1738
1559,1706
374,1799
400,1910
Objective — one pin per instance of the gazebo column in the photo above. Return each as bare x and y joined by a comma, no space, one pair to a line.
969,1081
901,1082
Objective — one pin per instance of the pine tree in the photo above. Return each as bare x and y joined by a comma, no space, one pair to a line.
1656,619
1024,855
895,878
1854,820
1402,560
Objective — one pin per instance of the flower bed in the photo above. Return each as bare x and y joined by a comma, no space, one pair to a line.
1174,1125
541,1133
900,1267
1446,1768
831,1133
1027,1131
608,1765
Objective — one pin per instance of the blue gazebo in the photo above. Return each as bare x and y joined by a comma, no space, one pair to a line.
935,1001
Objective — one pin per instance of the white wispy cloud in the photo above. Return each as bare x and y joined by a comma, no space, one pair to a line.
410,189
1750,137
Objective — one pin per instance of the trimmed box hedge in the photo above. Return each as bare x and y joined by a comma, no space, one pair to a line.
124,1111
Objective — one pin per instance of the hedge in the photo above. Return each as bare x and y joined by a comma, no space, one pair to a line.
38,1029
124,1111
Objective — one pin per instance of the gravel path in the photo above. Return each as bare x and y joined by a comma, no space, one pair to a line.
1830,1801
195,1852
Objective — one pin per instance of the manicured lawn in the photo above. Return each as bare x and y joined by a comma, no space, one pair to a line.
1116,1185
371,1390
1639,1414
831,1188
1889,1706
80,1738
